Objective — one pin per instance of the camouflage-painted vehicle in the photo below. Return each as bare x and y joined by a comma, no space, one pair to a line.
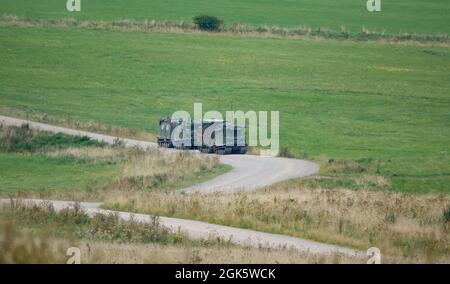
229,143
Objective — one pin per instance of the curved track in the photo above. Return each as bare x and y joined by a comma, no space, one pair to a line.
248,173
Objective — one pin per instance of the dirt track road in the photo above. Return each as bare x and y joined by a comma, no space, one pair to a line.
248,173
202,230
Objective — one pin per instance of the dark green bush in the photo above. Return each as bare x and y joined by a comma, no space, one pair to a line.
446,214
208,23
285,152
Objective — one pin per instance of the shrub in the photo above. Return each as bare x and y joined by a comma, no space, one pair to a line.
446,214
208,23
286,153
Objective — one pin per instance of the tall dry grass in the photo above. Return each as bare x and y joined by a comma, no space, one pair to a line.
74,223
409,226
39,234
17,247
188,254
152,169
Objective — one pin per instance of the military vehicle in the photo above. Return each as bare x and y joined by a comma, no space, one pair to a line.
203,136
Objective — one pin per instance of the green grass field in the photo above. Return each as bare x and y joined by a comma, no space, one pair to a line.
412,16
369,102
25,163
35,173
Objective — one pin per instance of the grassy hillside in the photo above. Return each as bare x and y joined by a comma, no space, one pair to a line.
386,106
412,16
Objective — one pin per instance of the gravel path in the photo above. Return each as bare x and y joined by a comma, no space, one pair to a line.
248,173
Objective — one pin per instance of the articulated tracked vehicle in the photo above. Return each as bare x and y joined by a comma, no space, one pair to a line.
210,136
